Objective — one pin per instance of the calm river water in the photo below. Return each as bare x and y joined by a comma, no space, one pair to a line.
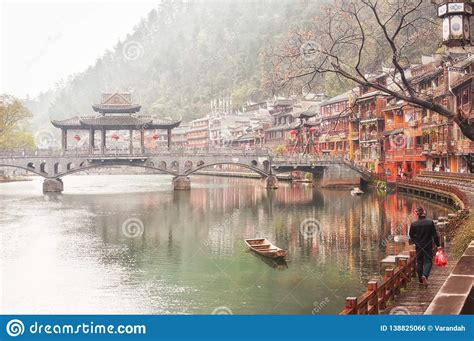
129,244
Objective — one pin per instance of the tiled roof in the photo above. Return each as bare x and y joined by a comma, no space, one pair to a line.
342,97
69,122
116,108
246,137
426,76
464,62
370,95
117,121
310,112
462,80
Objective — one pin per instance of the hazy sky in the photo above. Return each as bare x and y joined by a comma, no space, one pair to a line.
43,42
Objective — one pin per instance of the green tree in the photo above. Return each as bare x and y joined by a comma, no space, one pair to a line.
13,116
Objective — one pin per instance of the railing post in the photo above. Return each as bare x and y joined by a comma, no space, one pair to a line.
381,298
403,265
373,300
351,303
389,292
412,263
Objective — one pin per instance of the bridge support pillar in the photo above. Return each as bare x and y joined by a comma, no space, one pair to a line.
53,186
270,182
182,183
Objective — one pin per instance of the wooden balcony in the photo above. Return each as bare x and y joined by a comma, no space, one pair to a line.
415,154
393,126
465,146
370,137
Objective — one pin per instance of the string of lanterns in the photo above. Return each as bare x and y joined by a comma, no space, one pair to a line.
116,137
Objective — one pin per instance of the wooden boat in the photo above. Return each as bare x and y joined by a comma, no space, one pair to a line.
357,191
276,263
264,248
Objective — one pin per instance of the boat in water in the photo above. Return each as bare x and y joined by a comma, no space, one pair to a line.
356,191
265,248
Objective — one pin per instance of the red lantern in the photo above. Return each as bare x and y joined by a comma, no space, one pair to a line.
77,137
115,137
156,137
293,132
312,129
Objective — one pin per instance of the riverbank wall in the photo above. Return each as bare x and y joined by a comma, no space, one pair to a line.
7,179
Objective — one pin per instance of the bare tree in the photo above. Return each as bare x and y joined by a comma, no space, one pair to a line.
350,37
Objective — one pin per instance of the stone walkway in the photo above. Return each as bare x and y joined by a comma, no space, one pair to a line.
415,299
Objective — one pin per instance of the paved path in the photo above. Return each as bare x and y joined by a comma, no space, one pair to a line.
415,299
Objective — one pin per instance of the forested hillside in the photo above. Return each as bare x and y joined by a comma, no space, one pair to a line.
184,54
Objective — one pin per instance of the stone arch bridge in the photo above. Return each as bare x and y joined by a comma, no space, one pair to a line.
53,166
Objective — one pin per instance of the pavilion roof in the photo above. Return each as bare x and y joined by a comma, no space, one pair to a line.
116,122
308,113
116,108
116,103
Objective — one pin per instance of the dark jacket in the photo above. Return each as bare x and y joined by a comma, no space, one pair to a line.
423,233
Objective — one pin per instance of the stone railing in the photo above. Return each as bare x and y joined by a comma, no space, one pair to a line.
455,192
448,175
299,159
20,153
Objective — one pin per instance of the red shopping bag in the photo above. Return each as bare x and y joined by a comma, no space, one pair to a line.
440,258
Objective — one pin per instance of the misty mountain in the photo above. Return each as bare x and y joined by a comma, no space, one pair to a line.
183,55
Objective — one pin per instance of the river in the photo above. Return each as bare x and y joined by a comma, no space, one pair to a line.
129,244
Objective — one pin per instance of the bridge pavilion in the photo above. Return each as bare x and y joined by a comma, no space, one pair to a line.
115,112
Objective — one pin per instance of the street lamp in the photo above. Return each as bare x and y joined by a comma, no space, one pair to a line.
456,22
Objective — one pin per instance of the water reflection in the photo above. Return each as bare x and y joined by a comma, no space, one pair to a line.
190,256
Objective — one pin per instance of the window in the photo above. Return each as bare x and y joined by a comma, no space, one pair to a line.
418,141
465,97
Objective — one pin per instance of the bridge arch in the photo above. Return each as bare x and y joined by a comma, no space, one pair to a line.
43,167
175,166
243,165
188,165
96,166
266,166
57,168
27,168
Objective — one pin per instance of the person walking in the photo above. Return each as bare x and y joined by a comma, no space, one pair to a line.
423,233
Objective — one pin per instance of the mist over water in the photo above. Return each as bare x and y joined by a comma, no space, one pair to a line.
183,252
